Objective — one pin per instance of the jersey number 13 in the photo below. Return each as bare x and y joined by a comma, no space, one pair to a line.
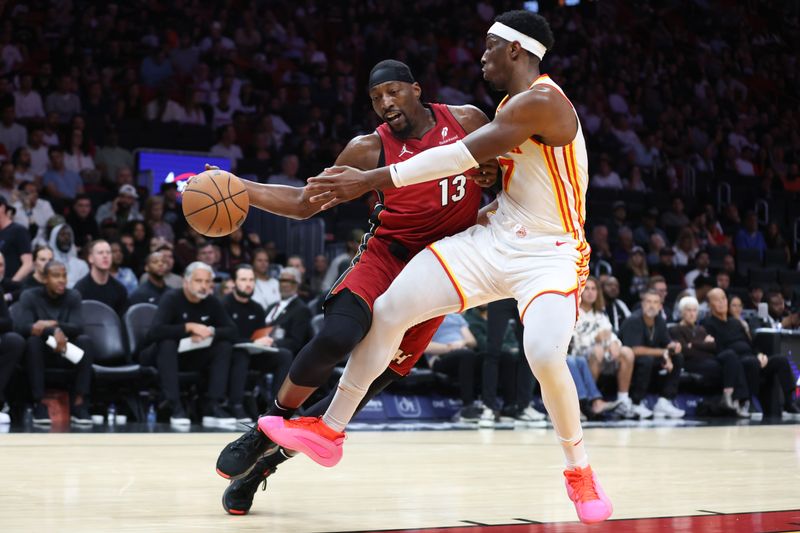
459,182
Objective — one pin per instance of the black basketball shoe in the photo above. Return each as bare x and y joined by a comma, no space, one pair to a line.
238,497
238,457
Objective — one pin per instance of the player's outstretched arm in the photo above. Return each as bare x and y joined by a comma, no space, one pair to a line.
541,112
294,202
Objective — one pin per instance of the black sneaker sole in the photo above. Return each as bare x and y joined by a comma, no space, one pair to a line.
231,510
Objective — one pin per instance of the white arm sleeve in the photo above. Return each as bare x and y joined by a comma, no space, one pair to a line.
447,160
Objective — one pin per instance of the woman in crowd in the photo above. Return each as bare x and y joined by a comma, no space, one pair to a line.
123,274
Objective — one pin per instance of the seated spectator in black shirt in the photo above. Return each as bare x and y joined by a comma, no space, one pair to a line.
9,290
777,315
153,287
12,345
82,221
755,296
729,334
15,243
701,356
42,255
666,267
55,311
729,266
99,284
250,318
645,332
616,309
290,319
192,311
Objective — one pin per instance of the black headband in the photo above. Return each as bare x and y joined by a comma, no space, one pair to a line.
390,70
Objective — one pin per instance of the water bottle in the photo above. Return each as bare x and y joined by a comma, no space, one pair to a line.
151,415
111,416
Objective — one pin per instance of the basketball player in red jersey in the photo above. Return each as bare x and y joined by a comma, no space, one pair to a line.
532,249
403,223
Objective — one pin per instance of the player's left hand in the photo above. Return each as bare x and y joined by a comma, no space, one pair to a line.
337,185
486,174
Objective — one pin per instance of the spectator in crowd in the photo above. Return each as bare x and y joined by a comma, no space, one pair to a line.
154,218
290,164
9,290
236,250
32,212
193,312
606,178
15,244
648,227
755,296
645,331
173,212
701,263
675,218
111,157
594,341
12,134
99,284
209,253
589,396
8,188
290,318
64,102
13,346
153,287
723,280
80,219
685,248
122,209
250,318
40,158
635,275
303,291
76,156
61,183
267,291
63,245
172,280
616,310
749,237
729,266
729,334
55,311
42,254
318,273
452,352
778,316
341,262
701,356
27,100
735,308
666,267
775,241
226,145
22,167
119,271
619,220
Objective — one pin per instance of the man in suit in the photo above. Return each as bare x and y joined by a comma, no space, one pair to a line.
290,318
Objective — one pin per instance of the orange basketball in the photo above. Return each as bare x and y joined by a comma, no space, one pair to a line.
215,203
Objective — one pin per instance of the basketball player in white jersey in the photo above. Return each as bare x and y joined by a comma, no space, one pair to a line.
531,248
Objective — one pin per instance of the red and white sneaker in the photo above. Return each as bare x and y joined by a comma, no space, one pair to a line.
308,435
591,502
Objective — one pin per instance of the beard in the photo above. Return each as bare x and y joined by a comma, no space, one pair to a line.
242,294
200,295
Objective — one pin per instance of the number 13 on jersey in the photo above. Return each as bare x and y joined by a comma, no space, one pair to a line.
459,182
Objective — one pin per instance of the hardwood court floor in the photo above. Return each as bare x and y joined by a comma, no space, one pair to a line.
398,480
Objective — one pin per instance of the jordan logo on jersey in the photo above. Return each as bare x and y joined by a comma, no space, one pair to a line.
405,151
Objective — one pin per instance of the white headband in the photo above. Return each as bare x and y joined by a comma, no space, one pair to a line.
510,34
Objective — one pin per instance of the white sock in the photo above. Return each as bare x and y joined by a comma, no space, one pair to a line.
574,452
623,397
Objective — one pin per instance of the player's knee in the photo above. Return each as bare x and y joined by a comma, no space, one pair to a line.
387,312
334,345
545,348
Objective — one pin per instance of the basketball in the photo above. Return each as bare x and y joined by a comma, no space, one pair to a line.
215,203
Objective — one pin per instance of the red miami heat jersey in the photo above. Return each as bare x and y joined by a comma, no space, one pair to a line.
417,215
